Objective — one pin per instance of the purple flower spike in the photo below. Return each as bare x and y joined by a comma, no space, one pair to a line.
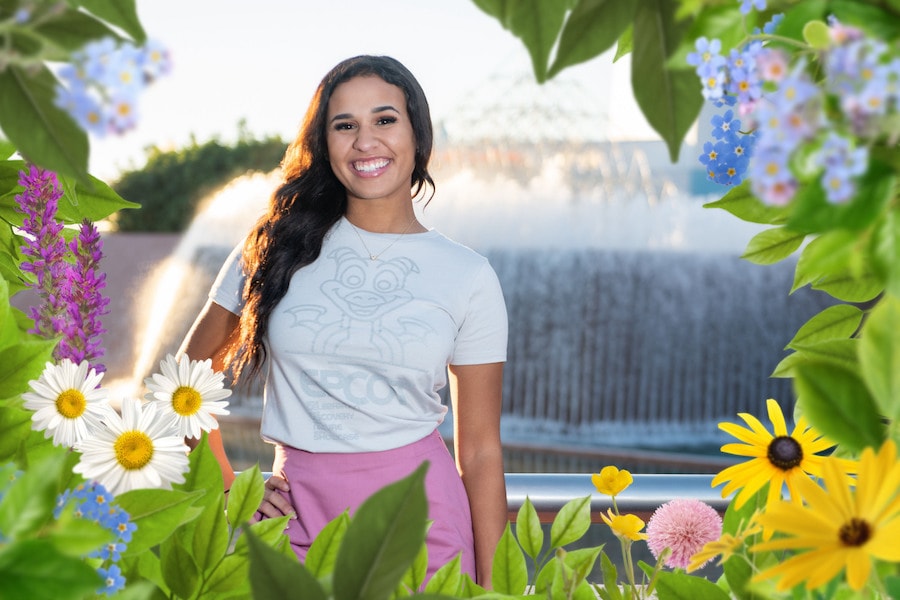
86,303
71,302
45,248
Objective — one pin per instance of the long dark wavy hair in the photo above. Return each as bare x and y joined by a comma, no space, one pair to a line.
309,202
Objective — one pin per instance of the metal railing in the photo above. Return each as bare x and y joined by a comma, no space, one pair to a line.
548,493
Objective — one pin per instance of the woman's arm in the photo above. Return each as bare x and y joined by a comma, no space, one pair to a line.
476,396
209,337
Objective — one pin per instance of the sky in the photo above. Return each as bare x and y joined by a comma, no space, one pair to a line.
260,62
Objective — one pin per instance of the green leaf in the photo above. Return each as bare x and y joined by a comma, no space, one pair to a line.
145,565
879,355
816,34
28,503
138,590
724,23
571,522
204,474
592,28
670,99
582,560
741,202
245,496
22,363
157,514
15,432
835,322
414,578
383,539
813,213
7,149
509,574
209,533
545,577
72,29
36,570
610,578
885,251
680,586
875,20
838,405
536,22
785,368
273,575
43,133
737,570
75,536
121,13
839,353
447,579
269,531
849,287
772,245
231,578
9,328
528,529
10,259
833,263
178,566
626,43
892,585
322,554
94,201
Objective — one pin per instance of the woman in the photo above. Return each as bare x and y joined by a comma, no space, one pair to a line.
359,312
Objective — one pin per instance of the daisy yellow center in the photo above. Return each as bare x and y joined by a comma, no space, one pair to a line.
71,404
134,449
854,532
186,401
785,452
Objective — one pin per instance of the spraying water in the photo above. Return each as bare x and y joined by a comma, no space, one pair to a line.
632,320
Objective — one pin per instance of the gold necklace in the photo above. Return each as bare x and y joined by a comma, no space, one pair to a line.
386,248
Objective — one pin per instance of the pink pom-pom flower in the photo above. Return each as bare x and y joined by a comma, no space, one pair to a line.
684,525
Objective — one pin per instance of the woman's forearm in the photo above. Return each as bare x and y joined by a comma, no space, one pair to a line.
482,475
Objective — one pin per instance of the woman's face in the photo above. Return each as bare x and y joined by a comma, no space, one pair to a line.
371,144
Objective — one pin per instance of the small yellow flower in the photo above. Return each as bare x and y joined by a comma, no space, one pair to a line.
625,526
611,481
838,528
777,459
726,546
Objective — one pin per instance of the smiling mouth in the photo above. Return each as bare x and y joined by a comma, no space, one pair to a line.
370,166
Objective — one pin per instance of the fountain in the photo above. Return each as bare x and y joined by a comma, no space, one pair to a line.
633,323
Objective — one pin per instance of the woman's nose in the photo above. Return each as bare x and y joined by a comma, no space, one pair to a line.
365,139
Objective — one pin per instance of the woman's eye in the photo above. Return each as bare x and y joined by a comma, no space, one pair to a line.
387,120
343,126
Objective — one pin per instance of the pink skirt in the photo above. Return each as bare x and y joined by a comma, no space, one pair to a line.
325,484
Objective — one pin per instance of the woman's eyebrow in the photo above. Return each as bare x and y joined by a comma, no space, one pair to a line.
375,110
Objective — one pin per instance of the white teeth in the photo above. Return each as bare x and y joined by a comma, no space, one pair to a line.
368,167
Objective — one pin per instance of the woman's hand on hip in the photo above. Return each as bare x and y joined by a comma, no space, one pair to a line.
275,502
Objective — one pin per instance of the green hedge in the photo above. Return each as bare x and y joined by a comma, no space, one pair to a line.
173,183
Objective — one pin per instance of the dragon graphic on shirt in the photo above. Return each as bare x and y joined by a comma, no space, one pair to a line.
366,291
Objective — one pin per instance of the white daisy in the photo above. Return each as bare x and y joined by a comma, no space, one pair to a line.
67,401
140,449
191,392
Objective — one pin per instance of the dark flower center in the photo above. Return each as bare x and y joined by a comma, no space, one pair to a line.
854,532
785,452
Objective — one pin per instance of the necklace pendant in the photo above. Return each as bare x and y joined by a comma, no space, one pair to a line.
373,257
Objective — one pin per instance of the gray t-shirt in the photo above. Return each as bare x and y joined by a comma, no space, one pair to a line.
359,348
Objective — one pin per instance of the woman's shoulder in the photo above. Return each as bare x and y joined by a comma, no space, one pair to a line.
454,248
